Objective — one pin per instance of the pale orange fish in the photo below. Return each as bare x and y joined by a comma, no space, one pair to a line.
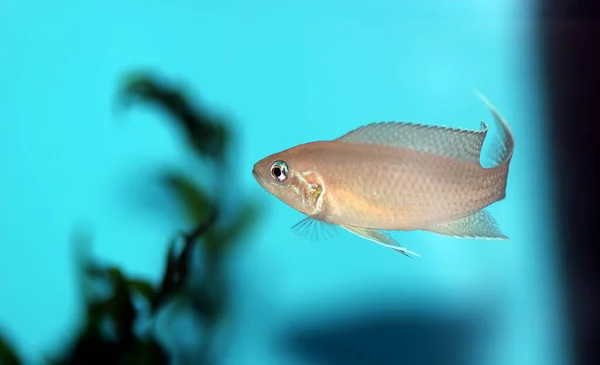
395,176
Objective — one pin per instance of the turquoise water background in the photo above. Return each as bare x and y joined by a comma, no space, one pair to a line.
286,73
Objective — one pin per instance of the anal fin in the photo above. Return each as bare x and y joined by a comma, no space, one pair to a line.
379,237
480,225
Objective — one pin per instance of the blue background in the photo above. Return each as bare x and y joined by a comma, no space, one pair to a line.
285,72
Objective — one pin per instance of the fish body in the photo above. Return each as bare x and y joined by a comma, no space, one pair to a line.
392,188
395,177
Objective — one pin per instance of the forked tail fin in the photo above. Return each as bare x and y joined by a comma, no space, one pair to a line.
501,150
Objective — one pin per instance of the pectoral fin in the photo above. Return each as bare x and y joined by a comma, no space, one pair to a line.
314,229
480,225
379,237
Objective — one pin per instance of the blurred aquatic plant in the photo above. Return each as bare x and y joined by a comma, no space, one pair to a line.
120,323
7,355
205,132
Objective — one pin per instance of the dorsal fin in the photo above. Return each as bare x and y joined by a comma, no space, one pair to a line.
462,144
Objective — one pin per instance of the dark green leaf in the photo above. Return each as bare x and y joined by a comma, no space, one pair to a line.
116,276
195,202
146,353
142,287
204,132
7,355
226,237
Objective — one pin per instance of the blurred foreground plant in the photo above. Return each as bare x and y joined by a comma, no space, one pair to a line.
120,325
7,354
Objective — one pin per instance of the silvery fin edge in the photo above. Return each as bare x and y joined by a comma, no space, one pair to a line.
379,237
481,225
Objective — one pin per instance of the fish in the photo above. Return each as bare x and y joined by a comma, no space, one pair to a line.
396,176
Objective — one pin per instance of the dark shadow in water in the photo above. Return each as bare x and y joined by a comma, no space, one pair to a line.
401,338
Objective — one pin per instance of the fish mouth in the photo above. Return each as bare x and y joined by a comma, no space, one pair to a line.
258,177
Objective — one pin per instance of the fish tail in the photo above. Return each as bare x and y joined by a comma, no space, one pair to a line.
501,150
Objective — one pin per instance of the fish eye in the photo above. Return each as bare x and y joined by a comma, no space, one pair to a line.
279,170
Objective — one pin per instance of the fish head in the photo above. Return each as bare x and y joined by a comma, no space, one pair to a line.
291,177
